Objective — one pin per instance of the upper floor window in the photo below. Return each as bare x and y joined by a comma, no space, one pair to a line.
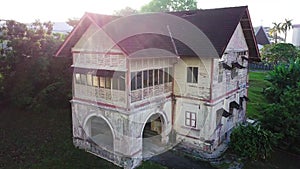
148,78
118,81
242,53
192,74
95,81
108,81
89,79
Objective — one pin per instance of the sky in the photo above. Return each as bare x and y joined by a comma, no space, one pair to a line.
262,12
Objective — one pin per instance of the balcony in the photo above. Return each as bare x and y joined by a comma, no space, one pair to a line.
150,92
114,97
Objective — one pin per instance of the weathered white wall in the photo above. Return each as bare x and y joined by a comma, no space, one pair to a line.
196,90
93,50
236,44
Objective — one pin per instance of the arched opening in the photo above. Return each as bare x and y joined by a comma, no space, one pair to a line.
100,132
153,135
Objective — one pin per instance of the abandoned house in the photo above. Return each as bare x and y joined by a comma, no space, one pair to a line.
157,79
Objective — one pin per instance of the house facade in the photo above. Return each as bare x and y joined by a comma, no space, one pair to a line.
145,82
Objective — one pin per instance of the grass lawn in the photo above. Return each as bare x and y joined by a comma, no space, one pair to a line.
43,140
256,82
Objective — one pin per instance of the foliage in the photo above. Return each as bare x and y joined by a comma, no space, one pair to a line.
169,5
278,28
283,118
280,52
275,30
285,26
126,11
31,77
282,115
284,77
73,22
252,142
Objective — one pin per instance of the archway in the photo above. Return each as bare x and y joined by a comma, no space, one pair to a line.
154,135
100,132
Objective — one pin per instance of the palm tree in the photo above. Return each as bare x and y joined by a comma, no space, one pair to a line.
275,30
285,27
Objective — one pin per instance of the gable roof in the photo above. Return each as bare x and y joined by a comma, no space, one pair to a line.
261,36
217,24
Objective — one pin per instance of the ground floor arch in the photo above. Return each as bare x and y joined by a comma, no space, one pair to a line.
100,132
154,135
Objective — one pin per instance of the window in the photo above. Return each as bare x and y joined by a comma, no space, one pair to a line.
145,78
102,82
161,76
83,79
89,79
133,81
96,81
190,119
122,82
139,80
166,75
192,74
234,73
220,76
156,77
150,77
77,78
118,81
115,83
170,74
107,82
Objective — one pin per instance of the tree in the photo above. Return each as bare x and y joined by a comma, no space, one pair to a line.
169,5
283,119
252,142
282,116
126,11
275,30
73,22
28,78
282,78
285,26
280,52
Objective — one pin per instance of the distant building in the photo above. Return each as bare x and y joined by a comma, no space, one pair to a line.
191,89
296,35
262,37
61,27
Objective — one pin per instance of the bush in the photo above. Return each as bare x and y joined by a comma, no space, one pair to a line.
252,142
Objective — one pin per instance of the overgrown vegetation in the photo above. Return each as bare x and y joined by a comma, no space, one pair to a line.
256,143
282,115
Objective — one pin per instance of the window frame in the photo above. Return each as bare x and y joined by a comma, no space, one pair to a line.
189,119
192,74
97,84
78,78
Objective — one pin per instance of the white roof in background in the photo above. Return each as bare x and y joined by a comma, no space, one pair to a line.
61,27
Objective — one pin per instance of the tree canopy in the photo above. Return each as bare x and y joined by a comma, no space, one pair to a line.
125,12
279,52
169,5
29,74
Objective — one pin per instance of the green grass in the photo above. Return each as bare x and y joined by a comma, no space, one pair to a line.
257,83
43,140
